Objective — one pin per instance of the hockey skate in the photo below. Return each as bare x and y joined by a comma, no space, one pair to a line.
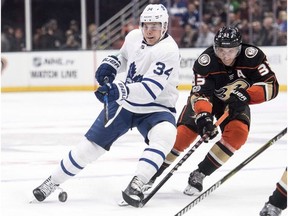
134,189
133,194
195,183
145,187
45,189
149,185
270,210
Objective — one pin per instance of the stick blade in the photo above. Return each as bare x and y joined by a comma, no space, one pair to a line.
131,201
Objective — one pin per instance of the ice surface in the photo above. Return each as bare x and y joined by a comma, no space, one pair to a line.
38,129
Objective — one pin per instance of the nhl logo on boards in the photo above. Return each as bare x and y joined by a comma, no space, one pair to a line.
251,52
204,59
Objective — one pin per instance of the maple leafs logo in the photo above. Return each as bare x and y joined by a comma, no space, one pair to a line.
131,78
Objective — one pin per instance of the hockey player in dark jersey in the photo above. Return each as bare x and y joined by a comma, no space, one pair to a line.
228,74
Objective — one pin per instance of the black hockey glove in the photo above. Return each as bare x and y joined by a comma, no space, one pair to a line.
204,122
237,102
115,91
107,71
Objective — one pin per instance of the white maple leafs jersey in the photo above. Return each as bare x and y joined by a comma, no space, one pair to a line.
152,74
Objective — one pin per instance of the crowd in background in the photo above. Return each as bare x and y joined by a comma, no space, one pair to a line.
266,27
48,37
267,30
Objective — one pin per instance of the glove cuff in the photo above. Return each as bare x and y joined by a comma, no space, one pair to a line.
122,89
241,94
112,61
203,115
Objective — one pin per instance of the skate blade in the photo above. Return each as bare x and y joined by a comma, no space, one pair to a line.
33,201
122,203
190,191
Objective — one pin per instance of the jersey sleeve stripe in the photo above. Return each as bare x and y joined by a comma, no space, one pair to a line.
149,90
153,81
171,109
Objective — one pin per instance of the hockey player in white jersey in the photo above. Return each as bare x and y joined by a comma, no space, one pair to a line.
145,100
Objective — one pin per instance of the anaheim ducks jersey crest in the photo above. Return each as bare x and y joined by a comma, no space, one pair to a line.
213,78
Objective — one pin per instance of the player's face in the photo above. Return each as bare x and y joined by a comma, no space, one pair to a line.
227,55
151,32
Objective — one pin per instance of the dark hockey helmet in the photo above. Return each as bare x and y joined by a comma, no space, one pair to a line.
228,37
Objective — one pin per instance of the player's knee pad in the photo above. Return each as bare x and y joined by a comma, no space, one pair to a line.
162,136
235,134
161,140
86,151
185,136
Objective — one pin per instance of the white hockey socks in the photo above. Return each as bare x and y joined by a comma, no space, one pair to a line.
76,160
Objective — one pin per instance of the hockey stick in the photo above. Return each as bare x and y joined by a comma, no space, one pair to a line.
106,109
141,203
231,173
106,80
